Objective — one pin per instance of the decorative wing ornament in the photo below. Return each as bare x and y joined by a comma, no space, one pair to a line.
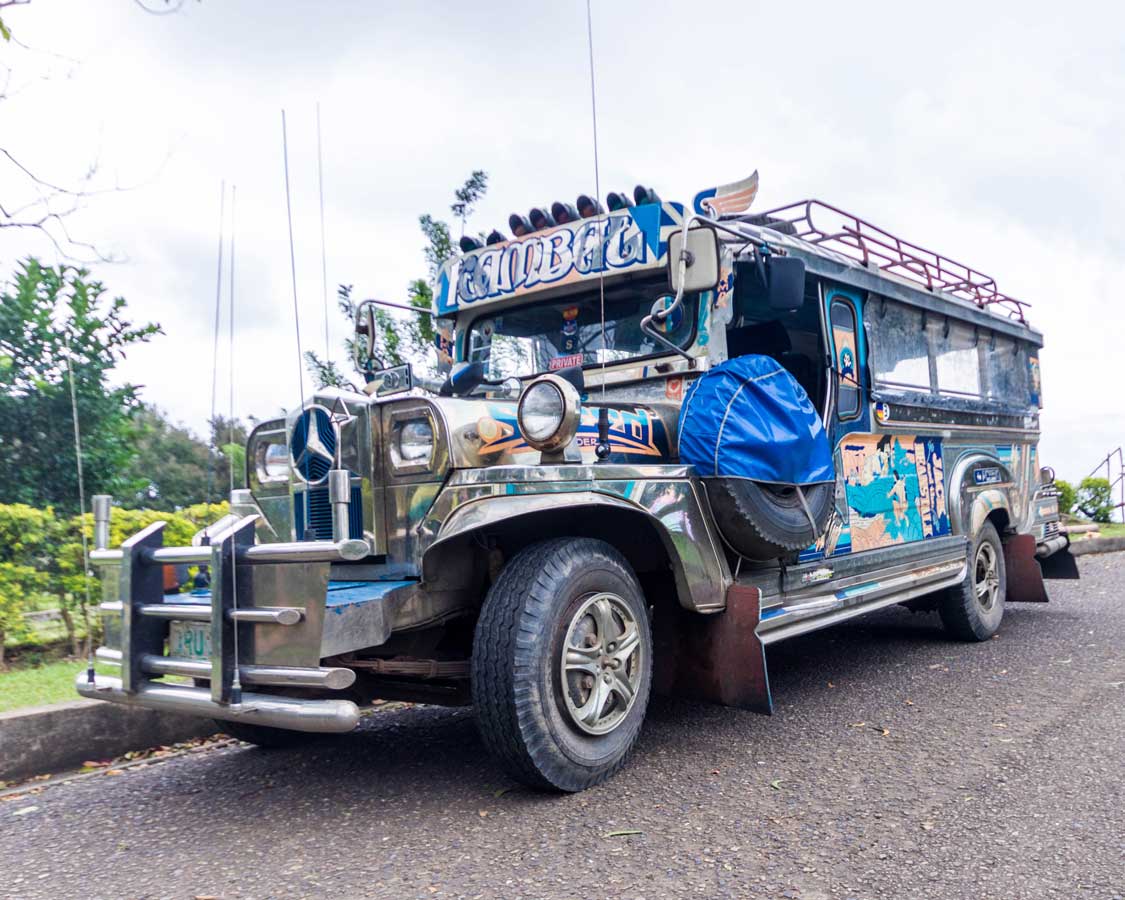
728,199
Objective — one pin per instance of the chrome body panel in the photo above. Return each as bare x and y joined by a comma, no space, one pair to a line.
675,506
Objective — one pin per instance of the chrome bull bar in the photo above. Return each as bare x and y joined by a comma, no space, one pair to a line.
144,617
255,709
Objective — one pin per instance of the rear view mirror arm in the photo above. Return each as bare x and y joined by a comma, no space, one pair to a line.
646,327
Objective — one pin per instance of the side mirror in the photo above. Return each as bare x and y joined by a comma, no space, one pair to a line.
700,256
365,337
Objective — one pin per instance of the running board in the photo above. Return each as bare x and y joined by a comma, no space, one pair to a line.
846,602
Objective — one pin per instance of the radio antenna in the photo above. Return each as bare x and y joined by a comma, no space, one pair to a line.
597,179
230,349
236,681
293,276
81,512
323,251
215,348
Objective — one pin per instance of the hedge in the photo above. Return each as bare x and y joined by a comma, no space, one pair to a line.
41,558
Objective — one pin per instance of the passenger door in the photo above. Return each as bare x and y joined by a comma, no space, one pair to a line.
847,412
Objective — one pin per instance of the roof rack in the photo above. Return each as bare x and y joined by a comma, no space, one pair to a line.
841,231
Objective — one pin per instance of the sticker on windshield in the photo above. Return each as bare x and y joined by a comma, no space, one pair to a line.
565,362
569,341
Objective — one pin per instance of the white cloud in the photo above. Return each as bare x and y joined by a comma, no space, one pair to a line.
991,132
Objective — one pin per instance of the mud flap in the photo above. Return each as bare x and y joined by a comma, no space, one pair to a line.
1025,578
717,658
1059,564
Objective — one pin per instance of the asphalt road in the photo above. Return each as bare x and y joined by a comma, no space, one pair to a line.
897,765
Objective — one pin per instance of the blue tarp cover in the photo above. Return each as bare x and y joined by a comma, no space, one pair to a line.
749,418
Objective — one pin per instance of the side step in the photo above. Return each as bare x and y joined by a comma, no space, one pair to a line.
317,716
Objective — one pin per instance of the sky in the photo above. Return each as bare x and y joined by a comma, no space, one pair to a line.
994,133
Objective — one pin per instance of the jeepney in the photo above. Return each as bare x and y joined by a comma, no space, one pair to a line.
521,532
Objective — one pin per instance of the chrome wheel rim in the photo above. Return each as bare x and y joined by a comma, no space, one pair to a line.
987,576
602,663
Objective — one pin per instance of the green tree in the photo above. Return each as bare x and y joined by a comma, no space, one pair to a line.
1095,499
402,339
55,322
1067,496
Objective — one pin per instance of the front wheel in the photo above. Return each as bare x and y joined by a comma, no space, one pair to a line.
972,610
562,664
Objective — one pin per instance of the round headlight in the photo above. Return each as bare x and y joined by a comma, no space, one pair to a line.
416,441
548,413
272,460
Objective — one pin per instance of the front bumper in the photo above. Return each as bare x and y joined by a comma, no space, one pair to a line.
265,619
254,709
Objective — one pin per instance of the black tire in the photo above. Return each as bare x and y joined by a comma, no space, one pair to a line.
520,687
264,736
763,521
969,611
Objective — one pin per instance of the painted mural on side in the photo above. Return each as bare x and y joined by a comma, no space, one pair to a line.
895,489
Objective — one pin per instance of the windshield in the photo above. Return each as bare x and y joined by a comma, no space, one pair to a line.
546,337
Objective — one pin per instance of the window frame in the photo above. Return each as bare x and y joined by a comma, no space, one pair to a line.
856,386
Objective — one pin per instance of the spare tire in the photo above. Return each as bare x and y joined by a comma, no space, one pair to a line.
764,521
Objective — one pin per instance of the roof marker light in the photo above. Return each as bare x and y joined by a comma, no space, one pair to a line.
588,207
540,218
519,225
617,201
563,213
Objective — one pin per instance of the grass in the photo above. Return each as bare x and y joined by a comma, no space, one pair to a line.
40,685
1115,529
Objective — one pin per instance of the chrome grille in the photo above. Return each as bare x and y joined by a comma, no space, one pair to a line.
312,514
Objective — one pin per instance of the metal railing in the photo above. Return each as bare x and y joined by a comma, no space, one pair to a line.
852,236
1118,481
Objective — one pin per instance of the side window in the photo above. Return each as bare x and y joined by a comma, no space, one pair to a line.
899,352
1005,368
847,370
957,358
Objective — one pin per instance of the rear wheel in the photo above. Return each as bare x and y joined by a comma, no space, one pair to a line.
562,664
973,609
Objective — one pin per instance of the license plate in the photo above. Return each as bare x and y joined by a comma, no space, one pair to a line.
190,640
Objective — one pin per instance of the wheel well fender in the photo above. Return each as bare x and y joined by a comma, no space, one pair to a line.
654,547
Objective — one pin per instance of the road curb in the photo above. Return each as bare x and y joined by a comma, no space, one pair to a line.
1097,545
41,739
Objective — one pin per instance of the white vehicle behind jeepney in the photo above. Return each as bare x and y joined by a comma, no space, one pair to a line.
660,440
